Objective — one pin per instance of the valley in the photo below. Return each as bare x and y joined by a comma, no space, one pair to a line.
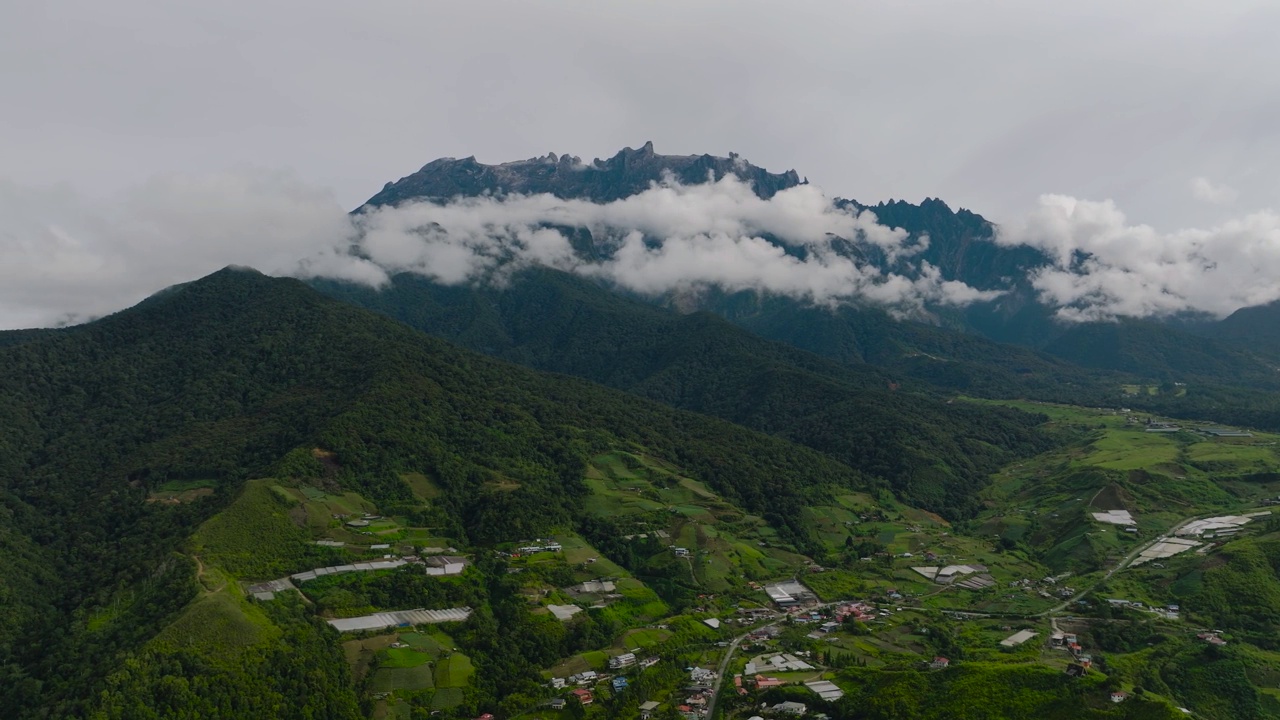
657,602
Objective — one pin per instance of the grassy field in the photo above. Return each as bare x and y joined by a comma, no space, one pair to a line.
727,546
1109,462
454,671
391,679
182,491
644,638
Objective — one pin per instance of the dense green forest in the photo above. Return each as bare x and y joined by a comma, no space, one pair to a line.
932,454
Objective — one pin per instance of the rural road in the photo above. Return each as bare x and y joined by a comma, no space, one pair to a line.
720,671
1124,563
733,647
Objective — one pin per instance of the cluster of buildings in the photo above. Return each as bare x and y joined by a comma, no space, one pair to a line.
538,546
1071,643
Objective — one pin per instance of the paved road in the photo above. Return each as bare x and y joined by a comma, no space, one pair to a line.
733,647
1121,565
720,672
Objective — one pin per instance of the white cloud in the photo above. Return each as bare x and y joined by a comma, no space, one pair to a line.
668,237
67,258
1205,191
1104,267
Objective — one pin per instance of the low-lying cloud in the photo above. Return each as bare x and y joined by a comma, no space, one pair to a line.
668,237
65,258
1103,267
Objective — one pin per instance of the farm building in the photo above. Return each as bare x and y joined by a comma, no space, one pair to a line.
790,593
594,586
825,689
622,661
564,612
354,567
380,621
445,564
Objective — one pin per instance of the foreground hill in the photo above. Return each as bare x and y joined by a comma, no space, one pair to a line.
239,375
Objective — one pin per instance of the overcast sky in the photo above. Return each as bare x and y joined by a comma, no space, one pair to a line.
1171,110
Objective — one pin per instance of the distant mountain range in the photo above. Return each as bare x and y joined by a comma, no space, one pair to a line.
960,246
1010,346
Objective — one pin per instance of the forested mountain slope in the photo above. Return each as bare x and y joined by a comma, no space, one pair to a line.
933,454
239,375
960,244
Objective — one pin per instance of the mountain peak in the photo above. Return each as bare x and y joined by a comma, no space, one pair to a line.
628,172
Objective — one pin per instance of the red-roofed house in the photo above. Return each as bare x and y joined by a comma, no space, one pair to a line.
939,663
763,682
584,696
1119,697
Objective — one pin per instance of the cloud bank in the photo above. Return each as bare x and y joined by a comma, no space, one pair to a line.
66,258
670,236
1103,267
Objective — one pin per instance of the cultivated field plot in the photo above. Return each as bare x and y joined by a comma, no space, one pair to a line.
175,492
1165,549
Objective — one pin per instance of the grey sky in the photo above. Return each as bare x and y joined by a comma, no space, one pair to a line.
1171,109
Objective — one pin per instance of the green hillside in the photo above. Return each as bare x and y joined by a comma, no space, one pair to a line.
932,454
220,380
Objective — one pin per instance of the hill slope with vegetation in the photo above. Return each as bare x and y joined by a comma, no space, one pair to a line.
239,375
932,454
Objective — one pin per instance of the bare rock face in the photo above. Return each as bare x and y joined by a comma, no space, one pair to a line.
565,176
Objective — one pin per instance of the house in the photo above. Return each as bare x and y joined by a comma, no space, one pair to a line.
485,716
939,663
553,547
1076,670
764,683
1119,697
1212,639
557,704
624,660
445,564
649,662
791,708
557,683
647,708
584,696
697,700
680,552
619,684
701,675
